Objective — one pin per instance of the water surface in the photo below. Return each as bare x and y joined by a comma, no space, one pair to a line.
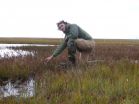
7,51
25,89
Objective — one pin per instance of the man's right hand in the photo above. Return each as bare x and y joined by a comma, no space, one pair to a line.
46,60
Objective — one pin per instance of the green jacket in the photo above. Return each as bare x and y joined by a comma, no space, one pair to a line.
73,31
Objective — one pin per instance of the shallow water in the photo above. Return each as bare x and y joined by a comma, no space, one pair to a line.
6,51
20,45
17,89
26,89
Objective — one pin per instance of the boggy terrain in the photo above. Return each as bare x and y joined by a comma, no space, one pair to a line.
111,81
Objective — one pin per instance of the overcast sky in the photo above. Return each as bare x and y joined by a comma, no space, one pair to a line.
100,18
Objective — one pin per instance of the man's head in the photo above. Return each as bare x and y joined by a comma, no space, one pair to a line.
62,25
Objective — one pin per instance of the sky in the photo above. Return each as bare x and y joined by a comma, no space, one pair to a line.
111,19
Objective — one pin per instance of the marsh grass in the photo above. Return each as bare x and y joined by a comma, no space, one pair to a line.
86,85
99,84
30,40
114,81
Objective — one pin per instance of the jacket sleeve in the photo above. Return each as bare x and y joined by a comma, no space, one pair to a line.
59,49
74,31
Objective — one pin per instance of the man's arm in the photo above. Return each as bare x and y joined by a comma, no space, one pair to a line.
59,49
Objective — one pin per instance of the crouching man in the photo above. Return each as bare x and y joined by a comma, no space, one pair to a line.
76,39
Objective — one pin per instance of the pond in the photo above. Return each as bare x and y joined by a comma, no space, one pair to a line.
18,88
7,51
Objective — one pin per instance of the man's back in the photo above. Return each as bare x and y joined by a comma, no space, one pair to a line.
76,32
84,35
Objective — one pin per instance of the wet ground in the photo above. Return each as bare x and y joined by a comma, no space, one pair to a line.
7,51
18,89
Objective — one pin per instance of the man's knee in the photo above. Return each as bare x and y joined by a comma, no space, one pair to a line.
85,45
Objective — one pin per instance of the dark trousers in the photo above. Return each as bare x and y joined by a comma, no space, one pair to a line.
71,50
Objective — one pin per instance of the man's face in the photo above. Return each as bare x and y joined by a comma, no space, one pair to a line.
62,27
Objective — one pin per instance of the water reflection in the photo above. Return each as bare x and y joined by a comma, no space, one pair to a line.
20,45
26,89
6,51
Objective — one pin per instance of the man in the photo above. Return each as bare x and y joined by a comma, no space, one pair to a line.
75,39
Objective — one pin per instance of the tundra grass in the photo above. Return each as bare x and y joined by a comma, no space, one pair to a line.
102,83
17,40
29,40
114,81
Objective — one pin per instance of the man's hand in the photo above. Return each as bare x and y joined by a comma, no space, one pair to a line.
48,59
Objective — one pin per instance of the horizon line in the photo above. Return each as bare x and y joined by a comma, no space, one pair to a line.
62,38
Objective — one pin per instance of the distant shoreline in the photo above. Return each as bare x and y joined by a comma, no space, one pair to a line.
55,41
